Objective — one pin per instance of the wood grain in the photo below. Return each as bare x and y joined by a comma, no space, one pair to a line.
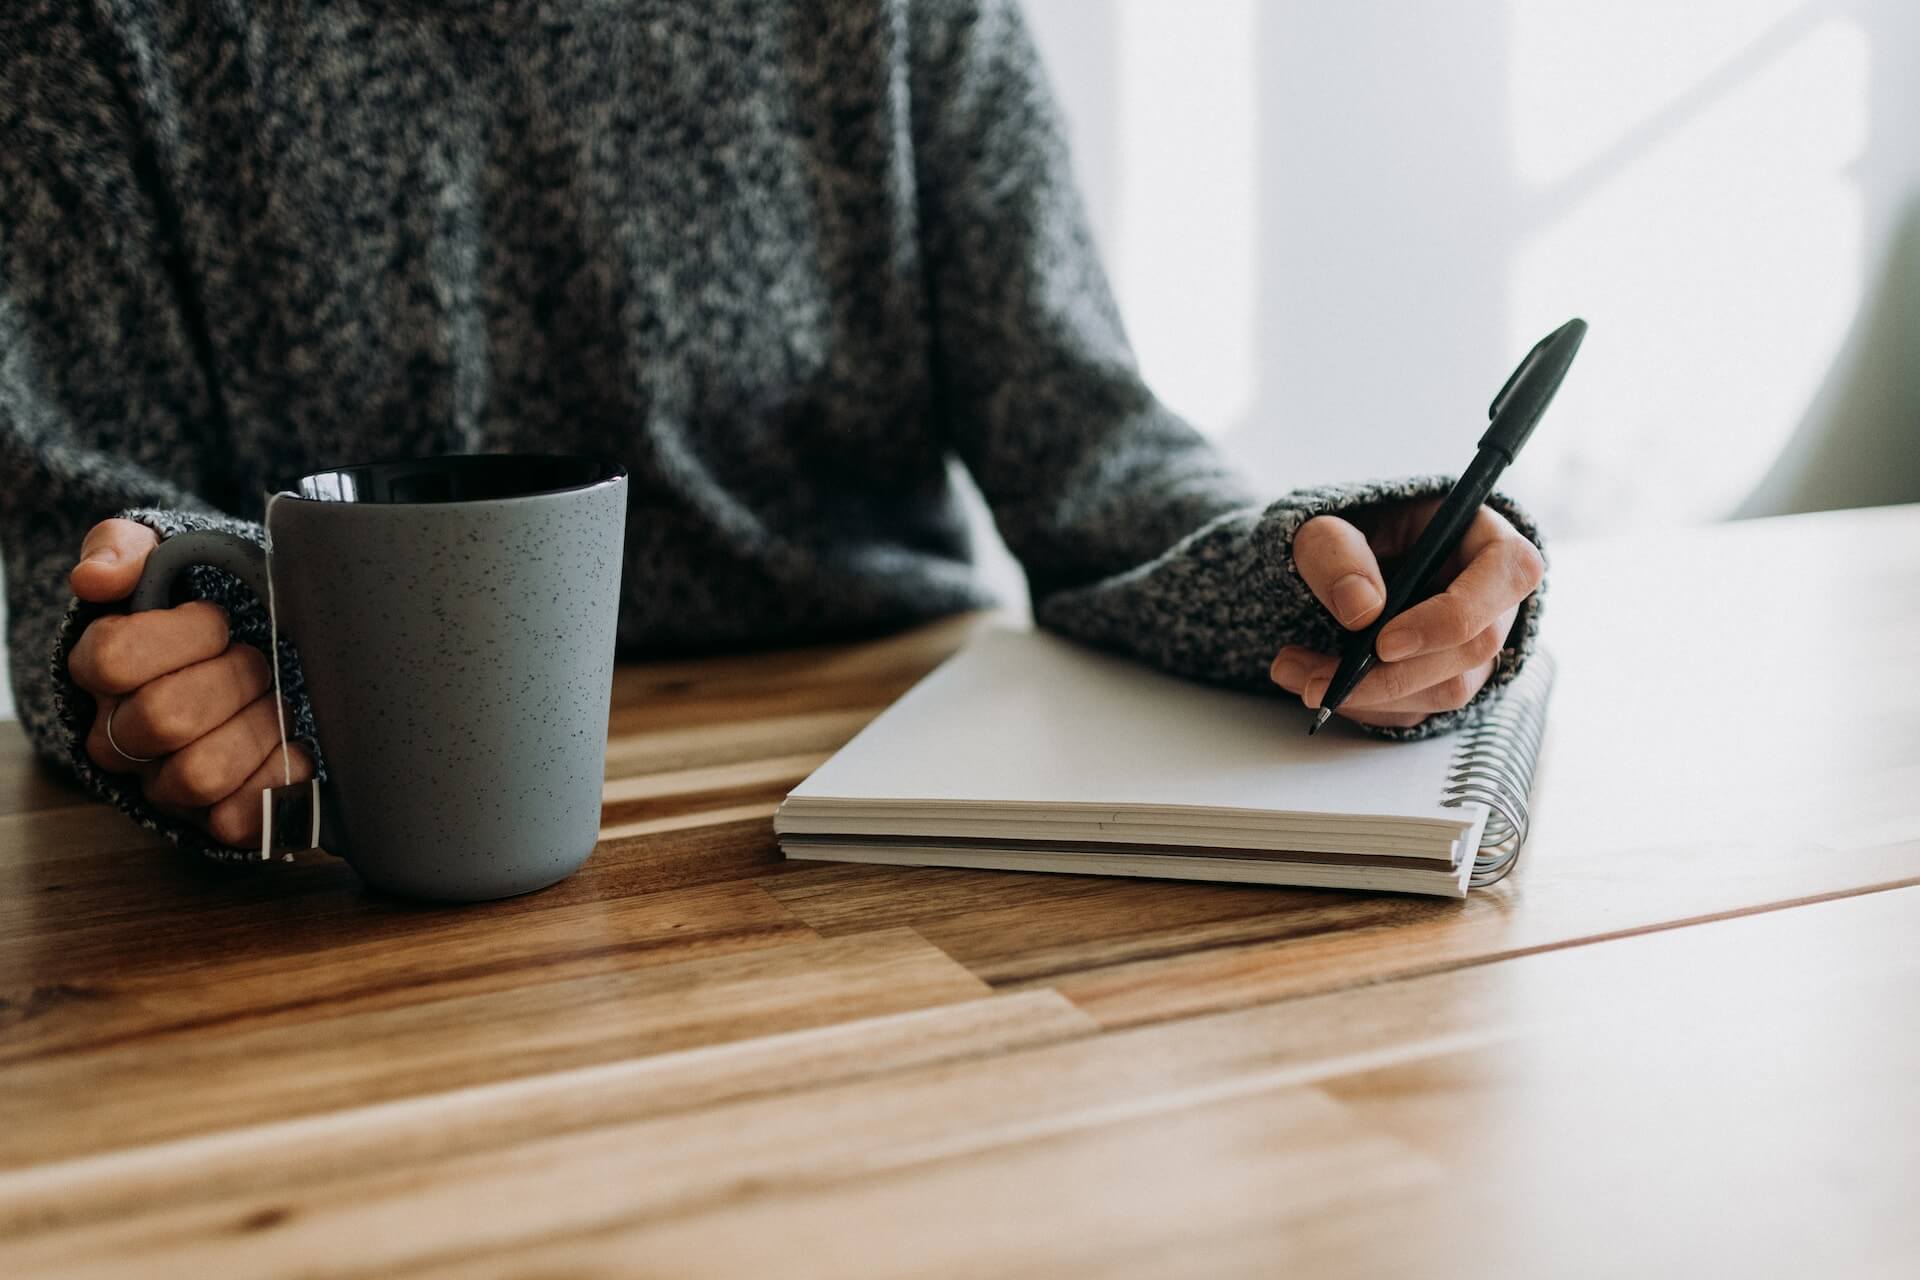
1250,1137
1689,1010
359,967
281,1157
201,1077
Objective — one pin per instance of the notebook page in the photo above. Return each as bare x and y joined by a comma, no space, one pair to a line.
1026,717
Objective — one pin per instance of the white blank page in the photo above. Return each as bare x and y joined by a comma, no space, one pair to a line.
1025,717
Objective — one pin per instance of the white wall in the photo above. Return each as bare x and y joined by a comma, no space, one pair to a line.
1335,227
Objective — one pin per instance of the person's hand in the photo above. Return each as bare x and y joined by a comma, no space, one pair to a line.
1436,655
192,715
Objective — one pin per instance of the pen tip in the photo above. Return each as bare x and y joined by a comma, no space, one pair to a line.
1318,720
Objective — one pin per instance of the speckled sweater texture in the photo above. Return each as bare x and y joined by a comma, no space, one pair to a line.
787,261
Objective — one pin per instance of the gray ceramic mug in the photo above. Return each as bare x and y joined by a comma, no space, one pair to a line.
454,619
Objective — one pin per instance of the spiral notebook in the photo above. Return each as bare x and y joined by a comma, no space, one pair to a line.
1027,752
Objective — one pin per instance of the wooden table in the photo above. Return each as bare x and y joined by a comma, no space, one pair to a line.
1684,1038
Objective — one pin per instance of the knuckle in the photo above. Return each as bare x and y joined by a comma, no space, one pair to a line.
198,777
123,653
232,822
165,718
99,652
80,664
1484,646
114,655
1456,691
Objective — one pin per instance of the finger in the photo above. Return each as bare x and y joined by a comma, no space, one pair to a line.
236,819
1384,719
1451,694
120,652
1308,673
1340,569
1496,579
1389,683
1296,667
210,769
99,749
166,714
111,558
1296,664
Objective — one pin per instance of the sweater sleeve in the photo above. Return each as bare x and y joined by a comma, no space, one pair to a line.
105,404
1136,535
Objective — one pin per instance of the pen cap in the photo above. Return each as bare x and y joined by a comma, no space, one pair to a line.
1518,407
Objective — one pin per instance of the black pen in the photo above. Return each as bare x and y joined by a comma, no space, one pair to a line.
1514,412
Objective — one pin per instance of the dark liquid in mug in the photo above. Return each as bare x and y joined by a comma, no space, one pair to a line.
473,478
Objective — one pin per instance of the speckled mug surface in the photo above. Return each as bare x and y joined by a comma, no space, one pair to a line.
454,619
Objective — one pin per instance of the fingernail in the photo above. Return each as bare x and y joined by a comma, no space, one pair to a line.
1312,694
1353,595
1285,670
1398,642
102,555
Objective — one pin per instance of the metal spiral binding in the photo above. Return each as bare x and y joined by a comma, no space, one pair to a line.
1493,765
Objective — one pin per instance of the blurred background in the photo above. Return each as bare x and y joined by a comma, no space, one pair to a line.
1334,229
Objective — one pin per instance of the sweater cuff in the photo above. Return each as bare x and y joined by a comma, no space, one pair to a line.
1273,538
249,624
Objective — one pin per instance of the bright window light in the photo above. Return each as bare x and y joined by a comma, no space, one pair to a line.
1185,233
1702,215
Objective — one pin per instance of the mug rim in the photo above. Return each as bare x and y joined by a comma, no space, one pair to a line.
612,473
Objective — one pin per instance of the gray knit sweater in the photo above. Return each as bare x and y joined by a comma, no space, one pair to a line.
784,259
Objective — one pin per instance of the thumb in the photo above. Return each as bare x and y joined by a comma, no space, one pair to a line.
111,558
1341,570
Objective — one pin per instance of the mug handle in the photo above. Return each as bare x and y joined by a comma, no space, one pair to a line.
292,818
245,560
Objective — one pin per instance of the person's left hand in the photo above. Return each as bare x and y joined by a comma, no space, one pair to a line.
1436,655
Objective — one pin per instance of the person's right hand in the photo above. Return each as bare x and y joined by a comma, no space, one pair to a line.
201,709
